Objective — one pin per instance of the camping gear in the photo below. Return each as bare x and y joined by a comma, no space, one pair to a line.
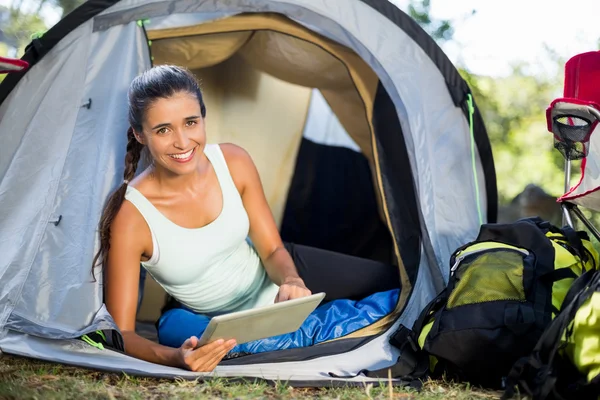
565,363
290,81
504,289
573,119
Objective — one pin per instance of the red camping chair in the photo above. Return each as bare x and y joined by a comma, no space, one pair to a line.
8,65
573,119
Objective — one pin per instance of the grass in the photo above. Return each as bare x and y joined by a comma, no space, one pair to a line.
22,378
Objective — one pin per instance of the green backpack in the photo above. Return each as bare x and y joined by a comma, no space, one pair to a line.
565,363
504,290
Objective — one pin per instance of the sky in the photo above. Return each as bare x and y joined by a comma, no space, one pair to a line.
504,32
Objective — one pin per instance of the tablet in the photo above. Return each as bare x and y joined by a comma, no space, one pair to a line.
262,322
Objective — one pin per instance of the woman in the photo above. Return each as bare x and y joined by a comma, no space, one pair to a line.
188,217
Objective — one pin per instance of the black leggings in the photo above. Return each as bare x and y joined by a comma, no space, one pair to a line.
342,276
339,275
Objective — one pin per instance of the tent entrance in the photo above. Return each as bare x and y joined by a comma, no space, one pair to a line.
275,45
250,63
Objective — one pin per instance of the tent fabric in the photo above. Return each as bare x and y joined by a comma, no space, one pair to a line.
74,174
323,127
417,135
293,54
199,52
24,219
78,353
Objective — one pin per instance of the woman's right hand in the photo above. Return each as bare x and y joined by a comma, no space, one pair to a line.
204,358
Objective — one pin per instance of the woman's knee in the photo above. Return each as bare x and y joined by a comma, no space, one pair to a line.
176,325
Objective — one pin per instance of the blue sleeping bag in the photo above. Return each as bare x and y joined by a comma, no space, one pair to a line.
329,321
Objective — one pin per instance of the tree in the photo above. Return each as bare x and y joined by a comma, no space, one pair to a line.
513,110
21,26
441,30
24,19
68,5
420,11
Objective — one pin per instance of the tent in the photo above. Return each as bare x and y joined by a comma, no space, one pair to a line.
355,118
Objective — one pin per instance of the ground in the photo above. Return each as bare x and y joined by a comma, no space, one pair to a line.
22,378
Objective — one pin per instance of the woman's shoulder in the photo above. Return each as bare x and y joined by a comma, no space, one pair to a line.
240,164
235,156
130,237
233,151
128,219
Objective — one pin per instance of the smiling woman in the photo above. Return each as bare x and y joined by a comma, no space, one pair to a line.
197,220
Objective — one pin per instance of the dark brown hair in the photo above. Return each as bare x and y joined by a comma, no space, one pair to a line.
159,82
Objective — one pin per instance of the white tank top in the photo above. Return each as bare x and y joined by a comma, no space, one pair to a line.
214,269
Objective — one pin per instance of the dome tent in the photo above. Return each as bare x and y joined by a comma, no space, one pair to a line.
393,91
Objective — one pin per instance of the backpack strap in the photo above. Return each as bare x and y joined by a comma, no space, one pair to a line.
560,274
534,373
573,238
577,286
413,362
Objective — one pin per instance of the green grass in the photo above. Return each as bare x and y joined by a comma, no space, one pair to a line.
22,378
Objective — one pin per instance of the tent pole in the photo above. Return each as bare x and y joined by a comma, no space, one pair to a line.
579,214
566,214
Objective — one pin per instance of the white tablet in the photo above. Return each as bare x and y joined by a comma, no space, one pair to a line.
263,322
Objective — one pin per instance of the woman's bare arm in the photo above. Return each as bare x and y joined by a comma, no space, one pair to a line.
263,230
130,239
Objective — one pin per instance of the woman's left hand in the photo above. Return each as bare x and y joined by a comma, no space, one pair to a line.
292,289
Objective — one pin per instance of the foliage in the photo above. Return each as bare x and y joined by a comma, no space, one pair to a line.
439,29
3,52
21,26
513,110
68,5
25,19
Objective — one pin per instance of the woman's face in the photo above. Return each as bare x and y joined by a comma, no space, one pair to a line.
173,130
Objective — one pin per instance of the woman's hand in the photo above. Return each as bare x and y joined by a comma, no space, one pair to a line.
293,288
204,358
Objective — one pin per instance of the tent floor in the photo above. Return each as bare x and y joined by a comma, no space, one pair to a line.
79,353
